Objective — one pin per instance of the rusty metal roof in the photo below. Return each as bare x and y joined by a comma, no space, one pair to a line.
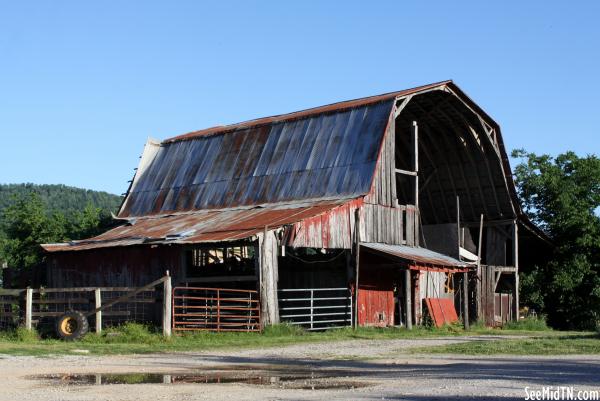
330,108
416,255
202,226
323,156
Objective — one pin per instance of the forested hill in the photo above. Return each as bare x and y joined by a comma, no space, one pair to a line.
61,198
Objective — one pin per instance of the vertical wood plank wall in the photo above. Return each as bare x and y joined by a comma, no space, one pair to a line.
383,188
269,272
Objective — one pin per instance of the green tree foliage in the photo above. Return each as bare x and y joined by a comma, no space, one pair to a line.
60,198
562,196
34,214
26,225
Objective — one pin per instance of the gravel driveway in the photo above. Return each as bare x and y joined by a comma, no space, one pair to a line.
361,370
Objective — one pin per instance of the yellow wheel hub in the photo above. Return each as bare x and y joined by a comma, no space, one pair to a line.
68,325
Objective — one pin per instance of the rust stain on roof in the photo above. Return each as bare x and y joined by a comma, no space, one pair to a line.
197,227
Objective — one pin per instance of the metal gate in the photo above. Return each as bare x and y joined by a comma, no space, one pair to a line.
316,308
215,309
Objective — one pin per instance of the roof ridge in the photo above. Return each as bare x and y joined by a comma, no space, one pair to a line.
331,107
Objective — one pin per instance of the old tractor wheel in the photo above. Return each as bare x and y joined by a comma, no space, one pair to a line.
72,326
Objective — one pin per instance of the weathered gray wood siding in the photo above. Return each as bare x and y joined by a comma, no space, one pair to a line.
383,188
269,277
383,219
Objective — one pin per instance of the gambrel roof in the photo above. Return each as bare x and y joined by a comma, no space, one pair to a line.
227,182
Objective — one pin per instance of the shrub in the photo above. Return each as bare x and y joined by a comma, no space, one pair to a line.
528,324
126,333
20,334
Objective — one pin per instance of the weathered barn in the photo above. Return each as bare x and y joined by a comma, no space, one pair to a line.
365,209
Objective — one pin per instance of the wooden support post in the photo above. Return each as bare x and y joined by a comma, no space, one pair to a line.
465,290
478,285
458,224
28,307
268,276
356,275
415,163
167,306
408,298
98,299
516,261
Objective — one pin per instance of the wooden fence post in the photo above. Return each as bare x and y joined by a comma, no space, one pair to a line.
167,302
465,299
98,297
28,307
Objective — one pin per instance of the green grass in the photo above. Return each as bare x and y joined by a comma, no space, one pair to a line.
134,338
557,344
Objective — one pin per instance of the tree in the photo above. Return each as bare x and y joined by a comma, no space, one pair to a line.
86,223
562,196
26,225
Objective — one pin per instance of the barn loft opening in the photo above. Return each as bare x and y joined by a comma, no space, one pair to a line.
453,161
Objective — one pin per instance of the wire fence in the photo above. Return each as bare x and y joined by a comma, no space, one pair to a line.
47,304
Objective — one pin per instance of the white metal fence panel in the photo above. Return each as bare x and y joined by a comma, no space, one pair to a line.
316,308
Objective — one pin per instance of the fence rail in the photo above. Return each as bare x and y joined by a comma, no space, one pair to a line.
215,309
316,308
37,307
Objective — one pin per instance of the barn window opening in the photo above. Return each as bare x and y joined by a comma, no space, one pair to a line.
221,261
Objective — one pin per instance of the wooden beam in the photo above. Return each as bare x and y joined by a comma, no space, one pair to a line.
446,165
217,279
98,304
356,274
407,298
415,164
516,261
127,296
427,155
167,306
478,296
401,106
488,223
468,154
483,155
28,307
437,150
497,276
406,172
427,180
465,291
458,225
414,135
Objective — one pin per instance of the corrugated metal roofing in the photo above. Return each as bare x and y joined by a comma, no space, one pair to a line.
325,156
334,107
415,254
202,226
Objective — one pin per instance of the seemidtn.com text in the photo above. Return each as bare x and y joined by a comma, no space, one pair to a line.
560,393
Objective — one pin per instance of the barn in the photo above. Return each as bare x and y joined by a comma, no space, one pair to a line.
385,210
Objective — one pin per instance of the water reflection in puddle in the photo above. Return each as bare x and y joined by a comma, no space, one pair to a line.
310,380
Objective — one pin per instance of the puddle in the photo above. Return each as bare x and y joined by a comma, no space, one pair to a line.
308,380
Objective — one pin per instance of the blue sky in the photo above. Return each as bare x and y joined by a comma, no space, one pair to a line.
83,84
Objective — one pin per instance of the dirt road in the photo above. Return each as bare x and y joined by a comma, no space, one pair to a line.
361,370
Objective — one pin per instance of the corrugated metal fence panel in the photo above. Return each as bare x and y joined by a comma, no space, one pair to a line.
322,156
